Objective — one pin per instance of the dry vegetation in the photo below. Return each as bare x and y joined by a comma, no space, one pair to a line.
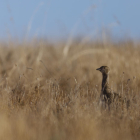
53,92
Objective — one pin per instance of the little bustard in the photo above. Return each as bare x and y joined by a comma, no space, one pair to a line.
107,92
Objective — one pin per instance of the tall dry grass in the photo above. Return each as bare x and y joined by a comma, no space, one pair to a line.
47,94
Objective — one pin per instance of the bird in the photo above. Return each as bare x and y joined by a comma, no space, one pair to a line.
108,94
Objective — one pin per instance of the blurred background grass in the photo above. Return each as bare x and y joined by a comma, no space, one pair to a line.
52,91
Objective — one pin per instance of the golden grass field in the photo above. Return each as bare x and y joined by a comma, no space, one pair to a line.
52,92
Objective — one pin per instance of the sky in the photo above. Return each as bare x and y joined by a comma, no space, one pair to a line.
63,19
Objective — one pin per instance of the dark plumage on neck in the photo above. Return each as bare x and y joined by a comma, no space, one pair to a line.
105,72
105,81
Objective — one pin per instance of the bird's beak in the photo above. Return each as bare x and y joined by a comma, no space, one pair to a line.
98,69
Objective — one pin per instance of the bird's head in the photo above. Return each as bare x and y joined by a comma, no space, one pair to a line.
104,69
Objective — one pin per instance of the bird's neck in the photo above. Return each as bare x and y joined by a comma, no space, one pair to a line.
105,81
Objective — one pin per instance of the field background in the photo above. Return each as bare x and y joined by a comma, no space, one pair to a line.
52,91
